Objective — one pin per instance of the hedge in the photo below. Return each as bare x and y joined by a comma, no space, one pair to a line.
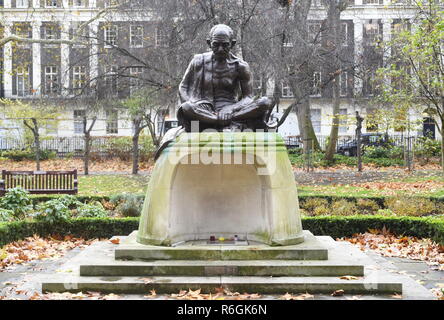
334,226
330,198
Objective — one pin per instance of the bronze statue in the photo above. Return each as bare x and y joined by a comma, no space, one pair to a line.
217,89
217,92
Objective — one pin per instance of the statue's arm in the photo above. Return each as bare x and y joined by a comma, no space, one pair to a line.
246,84
186,83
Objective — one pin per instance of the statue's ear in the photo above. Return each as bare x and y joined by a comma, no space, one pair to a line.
209,42
233,43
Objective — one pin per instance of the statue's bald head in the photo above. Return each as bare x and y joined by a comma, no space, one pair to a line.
221,29
221,33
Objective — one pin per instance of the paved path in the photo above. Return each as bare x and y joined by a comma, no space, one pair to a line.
20,282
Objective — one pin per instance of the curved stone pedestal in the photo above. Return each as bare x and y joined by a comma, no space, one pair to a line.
222,184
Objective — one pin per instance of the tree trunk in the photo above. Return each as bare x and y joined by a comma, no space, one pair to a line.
333,47
334,132
35,132
87,138
442,144
136,146
37,149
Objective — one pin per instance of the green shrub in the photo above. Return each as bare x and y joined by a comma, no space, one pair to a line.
94,210
128,205
315,206
343,208
377,152
385,212
367,206
6,215
427,148
334,226
411,206
321,211
121,147
69,201
27,154
17,200
52,211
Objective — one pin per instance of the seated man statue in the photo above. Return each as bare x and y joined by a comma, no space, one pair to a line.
217,90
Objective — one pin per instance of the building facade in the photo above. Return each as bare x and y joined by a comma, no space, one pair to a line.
33,71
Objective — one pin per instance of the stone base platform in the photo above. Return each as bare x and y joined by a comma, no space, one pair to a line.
310,249
96,269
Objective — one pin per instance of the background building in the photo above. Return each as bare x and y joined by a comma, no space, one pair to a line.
75,76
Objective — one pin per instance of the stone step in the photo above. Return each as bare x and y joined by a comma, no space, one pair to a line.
310,249
376,284
222,268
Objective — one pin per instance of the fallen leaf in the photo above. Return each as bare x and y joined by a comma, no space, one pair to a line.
349,278
338,293
115,241
147,280
152,294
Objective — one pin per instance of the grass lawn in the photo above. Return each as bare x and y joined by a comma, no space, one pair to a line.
106,185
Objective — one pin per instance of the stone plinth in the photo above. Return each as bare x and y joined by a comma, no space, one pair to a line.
222,184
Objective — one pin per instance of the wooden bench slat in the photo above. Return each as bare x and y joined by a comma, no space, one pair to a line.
40,182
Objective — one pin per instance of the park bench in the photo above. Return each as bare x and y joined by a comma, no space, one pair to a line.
40,182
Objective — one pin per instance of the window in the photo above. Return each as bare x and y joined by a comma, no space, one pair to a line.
343,121
286,90
23,30
78,3
136,36
161,40
51,3
344,34
50,32
51,80
111,81
78,78
316,120
373,1
136,79
110,3
257,86
343,82
112,122
370,84
81,35
110,35
372,32
314,32
21,4
22,81
78,121
51,127
316,84
286,41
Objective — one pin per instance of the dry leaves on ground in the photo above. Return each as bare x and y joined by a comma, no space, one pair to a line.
411,187
71,296
390,245
37,248
108,165
221,294
338,293
303,296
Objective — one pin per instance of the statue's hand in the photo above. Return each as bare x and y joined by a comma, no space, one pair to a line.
225,114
